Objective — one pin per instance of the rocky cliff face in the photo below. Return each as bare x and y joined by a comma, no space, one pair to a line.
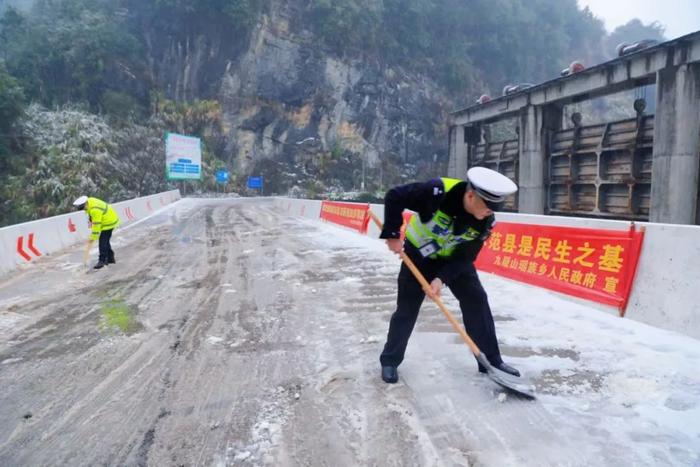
298,114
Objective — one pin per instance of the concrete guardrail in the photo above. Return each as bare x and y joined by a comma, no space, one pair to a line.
23,244
665,290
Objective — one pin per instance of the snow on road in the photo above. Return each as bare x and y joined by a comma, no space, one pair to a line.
231,334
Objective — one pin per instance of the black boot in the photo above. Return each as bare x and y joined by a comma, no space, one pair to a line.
100,264
111,260
504,367
390,374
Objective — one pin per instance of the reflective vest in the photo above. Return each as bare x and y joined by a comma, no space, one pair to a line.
102,216
436,239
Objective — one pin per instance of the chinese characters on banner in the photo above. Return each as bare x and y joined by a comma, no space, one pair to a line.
354,216
594,264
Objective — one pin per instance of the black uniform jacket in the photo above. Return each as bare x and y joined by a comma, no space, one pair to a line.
425,199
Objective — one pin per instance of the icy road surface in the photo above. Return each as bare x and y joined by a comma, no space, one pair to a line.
231,334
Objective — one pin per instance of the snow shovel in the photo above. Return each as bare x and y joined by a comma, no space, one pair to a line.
516,384
86,256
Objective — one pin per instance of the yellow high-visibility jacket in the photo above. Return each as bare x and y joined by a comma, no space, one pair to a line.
102,216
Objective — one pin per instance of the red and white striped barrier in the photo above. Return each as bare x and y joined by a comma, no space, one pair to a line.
23,244
30,249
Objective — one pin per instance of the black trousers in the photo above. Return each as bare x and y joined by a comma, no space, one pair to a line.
473,302
106,253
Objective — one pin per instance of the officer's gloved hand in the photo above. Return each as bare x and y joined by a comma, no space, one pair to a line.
435,288
395,245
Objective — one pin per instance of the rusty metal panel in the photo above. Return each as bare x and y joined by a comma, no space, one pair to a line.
641,199
588,143
503,157
620,139
584,167
642,165
478,154
614,198
616,166
601,170
561,147
560,168
559,200
512,150
562,141
583,197
647,131
593,131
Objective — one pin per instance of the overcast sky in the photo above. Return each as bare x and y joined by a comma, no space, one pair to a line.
679,17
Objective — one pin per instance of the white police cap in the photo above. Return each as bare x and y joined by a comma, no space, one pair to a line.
80,201
490,185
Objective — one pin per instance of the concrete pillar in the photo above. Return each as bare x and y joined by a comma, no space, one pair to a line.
452,145
457,167
531,164
534,126
676,166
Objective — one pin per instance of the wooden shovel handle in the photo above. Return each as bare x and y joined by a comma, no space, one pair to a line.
426,287
86,254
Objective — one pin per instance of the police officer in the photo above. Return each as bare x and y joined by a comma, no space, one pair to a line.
454,218
104,220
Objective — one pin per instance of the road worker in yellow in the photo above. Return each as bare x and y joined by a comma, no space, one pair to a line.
103,221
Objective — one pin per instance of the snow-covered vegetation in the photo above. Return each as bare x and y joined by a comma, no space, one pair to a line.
69,151
351,98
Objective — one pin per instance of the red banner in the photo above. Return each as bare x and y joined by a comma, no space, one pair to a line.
352,215
594,264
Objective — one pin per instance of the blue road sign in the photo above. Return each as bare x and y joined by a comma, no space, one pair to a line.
222,176
255,182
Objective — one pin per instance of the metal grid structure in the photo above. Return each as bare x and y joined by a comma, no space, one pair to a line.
502,157
601,170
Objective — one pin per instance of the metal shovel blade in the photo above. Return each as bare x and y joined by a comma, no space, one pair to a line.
514,383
